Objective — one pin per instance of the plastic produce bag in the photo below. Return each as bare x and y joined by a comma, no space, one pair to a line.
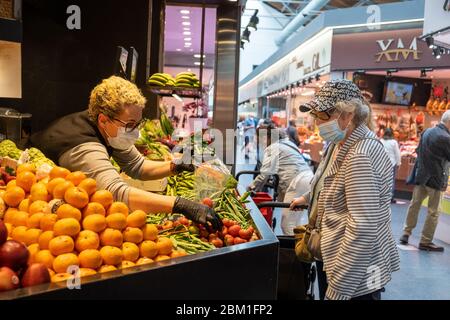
212,177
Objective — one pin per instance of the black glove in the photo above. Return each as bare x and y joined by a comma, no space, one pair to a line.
197,212
178,167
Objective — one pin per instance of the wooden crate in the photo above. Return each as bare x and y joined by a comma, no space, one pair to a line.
7,9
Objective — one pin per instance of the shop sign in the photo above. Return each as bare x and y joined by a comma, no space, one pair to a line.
383,50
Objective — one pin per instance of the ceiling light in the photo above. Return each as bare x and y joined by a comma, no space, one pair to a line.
198,56
310,80
188,44
184,11
186,23
177,97
430,42
191,50
187,39
187,33
187,29
317,77
246,35
254,20
197,63
437,52
178,49
423,73
185,17
304,82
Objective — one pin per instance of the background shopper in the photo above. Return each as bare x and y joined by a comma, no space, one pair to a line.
393,151
293,133
350,194
249,135
430,175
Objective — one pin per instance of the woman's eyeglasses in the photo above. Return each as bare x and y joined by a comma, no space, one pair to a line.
131,126
322,115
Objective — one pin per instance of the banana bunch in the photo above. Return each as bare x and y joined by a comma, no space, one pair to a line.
161,80
38,158
187,79
166,124
9,149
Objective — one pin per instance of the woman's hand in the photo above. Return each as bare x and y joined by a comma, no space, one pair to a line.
301,201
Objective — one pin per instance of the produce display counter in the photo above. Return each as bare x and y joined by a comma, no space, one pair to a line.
244,271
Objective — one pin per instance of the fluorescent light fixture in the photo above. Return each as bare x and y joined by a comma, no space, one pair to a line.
197,63
185,17
178,49
186,23
191,50
187,33
186,29
187,39
177,97
188,44
198,56
189,69
184,11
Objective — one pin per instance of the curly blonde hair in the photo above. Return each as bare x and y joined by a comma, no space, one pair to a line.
112,95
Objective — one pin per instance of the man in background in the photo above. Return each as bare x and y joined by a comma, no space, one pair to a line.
293,133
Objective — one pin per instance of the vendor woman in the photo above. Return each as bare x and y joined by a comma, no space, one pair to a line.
86,140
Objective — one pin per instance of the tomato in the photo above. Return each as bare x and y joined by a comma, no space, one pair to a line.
234,230
224,232
167,225
238,240
208,202
245,234
217,243
184,220
229,240
212,237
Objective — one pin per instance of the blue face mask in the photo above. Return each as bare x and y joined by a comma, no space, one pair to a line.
331,132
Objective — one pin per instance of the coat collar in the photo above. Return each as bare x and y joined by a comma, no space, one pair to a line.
357,134
443,127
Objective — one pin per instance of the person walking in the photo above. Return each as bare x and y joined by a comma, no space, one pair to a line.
393,151
430,176
293,133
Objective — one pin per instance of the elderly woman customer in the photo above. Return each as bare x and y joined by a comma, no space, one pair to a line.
350,197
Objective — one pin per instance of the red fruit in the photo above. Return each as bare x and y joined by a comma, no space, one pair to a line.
37,273
3,232
224,232
8,279
204,234
234,230
184,221
229,240
217,243
227,222
176,223
246,234
2,183
212,237
208,202
13,255
238,240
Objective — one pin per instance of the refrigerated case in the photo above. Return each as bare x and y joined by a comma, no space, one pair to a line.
206,275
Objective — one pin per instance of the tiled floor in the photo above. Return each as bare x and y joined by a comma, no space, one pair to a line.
423,275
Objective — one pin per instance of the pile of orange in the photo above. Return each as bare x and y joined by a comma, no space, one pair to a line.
65,221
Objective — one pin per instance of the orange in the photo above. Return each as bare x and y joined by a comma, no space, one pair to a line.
89,185
87,240
44,257
2,192
68,211
104,197
20,218
67,226
53,183
76,177
137,219
118,207
178,253
9,228
130,251
161,258
48,221
64,261
76,197
94,222
13,196
134,235
164,246
148,249
25,180
26,167
33,249
84,272
111,255
34,221
9,215
24,205
90,258
150,232
116,221
58,172
19,233
60,189
61,245
44,239
93,208
38,206
144,260
106,268
11,184
127,264
32,236
111,237
61,277
39,192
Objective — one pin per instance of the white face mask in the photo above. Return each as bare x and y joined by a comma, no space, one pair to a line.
123,140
